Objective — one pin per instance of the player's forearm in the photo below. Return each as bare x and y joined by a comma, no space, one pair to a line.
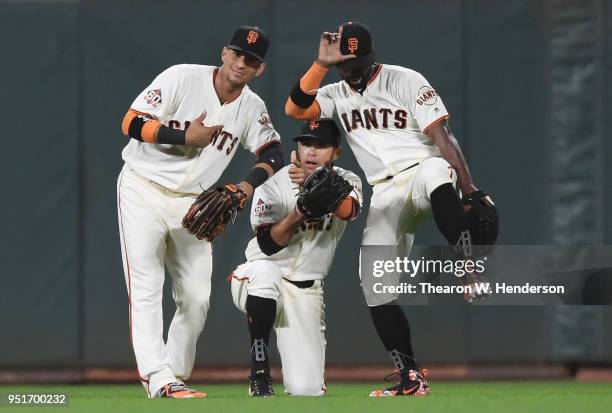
258,175
283,230
302,103
450,150
145,128
269,161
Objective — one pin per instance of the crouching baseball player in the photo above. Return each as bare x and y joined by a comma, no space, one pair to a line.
299,216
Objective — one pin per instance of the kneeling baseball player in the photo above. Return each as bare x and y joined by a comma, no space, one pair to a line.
299,216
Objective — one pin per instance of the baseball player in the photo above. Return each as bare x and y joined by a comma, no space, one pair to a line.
281,284
185,128
396,126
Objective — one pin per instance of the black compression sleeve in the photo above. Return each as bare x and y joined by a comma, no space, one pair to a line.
267,245
272,154
170,136
256,177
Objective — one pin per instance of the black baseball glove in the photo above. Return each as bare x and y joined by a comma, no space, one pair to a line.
483,222
321,192
214,208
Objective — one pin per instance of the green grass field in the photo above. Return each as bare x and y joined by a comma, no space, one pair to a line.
457,397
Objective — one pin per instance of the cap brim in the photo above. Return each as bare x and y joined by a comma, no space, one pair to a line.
308,137
358,63
240,49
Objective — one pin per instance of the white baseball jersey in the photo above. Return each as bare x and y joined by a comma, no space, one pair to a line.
175,98
385,125
309,254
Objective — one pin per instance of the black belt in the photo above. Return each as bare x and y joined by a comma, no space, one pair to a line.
301,284
403,170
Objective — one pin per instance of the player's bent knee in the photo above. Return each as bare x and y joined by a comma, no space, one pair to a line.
437,172
264,289
265,280
193,301
257,278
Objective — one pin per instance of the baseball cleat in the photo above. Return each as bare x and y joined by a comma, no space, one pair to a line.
260,385
479,288
178,391
413,383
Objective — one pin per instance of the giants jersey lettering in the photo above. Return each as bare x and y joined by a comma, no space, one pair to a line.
176,97
309,254
385,126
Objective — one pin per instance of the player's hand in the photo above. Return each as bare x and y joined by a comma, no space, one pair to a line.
199,135
297,173
329,49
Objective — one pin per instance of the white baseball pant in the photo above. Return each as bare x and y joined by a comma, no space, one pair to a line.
299,324
152,237
400,204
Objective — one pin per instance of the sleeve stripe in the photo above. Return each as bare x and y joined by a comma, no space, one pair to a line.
127,120
348,209
440,119
265,145
149,131
140,126
293,110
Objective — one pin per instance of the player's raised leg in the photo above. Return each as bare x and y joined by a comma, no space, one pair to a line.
434,189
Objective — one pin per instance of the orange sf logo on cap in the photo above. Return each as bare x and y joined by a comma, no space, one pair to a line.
353,44
252,37
313,124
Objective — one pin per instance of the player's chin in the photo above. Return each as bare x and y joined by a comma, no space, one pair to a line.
353,82
240,80
311,167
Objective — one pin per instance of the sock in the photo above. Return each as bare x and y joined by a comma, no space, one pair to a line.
403,362
394,331
449,214
261,313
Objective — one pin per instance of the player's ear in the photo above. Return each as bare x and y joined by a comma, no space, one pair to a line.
260,70
337,153
224,52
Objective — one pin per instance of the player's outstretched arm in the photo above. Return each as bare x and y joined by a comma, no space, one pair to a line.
451,152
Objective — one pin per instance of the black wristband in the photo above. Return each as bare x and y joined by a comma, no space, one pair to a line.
170,136
301,98
266,243
256,177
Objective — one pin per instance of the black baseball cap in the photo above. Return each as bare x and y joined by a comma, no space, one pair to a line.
323,131
250,40
356,40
